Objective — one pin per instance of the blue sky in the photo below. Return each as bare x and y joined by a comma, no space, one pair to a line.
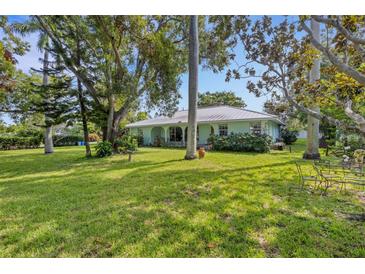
208,81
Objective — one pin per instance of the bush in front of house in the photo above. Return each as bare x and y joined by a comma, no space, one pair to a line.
245,142
289,137
16,142
104,149
127,143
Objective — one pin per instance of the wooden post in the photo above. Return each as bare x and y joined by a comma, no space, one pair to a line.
129,156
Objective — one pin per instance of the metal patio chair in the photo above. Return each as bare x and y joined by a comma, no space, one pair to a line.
303,179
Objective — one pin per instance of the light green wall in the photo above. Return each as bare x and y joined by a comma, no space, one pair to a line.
238,127
204,133
270,127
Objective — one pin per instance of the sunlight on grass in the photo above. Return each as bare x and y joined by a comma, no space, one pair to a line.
158,205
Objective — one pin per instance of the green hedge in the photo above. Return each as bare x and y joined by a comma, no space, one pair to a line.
14,142
70,140
246,142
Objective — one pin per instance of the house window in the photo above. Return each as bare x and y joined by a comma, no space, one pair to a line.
255,128
223,130
175,134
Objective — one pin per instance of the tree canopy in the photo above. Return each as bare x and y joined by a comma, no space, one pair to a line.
220,98
284,52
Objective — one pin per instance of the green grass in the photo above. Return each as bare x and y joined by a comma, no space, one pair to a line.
225,205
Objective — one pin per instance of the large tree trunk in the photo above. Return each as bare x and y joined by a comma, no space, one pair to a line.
83,108
84,119
48,141
193,88
312,151
110,121
118,116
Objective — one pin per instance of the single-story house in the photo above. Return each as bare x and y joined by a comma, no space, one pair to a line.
220,120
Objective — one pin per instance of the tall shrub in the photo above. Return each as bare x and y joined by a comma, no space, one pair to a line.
245,142
289,136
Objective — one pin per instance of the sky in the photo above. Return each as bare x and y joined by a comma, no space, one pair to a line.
208,81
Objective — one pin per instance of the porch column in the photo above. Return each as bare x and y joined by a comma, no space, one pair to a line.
183,134
166,130
151,141
215,128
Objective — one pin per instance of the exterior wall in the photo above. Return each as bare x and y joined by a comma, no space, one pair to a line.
146,135
156,132
238,127
273,130
149,133
204,133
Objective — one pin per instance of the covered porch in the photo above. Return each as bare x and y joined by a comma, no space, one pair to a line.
177,135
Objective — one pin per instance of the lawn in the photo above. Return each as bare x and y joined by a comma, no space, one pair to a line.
158,205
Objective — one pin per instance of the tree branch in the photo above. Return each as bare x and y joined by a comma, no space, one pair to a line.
357,118
334,60
337,24
68,62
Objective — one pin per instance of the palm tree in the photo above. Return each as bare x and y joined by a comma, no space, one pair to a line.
193,87
312,151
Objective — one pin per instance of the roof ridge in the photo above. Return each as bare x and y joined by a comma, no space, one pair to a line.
254,111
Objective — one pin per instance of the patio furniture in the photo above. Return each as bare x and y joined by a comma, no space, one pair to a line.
330,174
303,179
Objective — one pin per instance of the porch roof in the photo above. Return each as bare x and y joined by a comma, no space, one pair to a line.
208,115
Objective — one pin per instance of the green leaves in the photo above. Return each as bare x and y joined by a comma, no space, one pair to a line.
220,98
104,149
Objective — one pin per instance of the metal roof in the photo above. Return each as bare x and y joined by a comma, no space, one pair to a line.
207,115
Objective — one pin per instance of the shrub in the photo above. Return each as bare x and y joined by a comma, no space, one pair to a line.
347,146
104,149
246,142
288,136
93,137
127,143
15,142
68,140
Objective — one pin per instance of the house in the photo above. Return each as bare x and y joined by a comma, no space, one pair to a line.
220,120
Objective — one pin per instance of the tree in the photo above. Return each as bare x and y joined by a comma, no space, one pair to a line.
31,96
312,150
193,87
347,57
82,101
48,140
220,98
10,46
126,58
31,26
285,58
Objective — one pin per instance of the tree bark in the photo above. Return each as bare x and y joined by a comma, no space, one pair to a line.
48,141
84,119
312,151
110,121
193,88
83,108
